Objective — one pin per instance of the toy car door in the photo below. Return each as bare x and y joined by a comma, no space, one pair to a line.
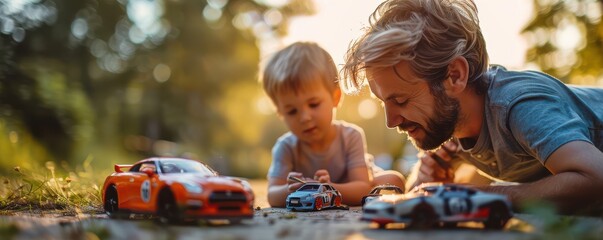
139,188
456,201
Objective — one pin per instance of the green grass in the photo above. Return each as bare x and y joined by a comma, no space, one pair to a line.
27,190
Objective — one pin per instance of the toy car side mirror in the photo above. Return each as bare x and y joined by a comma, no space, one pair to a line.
149,172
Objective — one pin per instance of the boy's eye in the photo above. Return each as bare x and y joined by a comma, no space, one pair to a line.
314,105
291,112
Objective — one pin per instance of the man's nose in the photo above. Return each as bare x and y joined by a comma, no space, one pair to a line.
392,118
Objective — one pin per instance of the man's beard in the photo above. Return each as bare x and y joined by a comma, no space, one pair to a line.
441,127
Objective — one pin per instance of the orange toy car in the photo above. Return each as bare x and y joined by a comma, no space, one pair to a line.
176,189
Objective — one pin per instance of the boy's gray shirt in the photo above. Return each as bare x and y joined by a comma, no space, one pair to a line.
529,115
347,151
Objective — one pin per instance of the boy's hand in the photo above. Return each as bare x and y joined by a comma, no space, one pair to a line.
292,184
322,176
435,166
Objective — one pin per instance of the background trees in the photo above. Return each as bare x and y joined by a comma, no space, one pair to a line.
566,39
119,80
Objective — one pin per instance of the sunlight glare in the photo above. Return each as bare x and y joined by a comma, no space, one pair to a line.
367,109
144,13
568,37
264,105
162,73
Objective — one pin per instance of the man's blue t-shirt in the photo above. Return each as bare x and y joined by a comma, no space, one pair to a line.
529,115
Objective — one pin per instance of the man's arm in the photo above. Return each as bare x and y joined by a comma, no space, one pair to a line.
434,166
577,181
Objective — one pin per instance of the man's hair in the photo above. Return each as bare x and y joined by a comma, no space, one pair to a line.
429,34
294,67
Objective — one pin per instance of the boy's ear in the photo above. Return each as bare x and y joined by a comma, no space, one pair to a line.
336,96
458,75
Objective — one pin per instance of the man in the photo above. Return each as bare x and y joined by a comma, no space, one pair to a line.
426,60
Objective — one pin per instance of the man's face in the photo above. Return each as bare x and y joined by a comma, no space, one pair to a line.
429,120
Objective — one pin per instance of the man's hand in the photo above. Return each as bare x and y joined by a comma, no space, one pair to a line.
435,165
322,176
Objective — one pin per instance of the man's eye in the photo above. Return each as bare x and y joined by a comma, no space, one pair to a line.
400,101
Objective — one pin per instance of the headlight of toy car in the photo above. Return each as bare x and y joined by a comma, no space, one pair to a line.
192,188
309,197
247,186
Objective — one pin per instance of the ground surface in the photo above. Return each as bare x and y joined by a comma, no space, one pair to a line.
271,223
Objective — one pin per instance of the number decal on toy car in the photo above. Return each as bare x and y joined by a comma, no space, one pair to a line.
458,205
145,191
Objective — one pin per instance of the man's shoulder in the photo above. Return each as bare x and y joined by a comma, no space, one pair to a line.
508,86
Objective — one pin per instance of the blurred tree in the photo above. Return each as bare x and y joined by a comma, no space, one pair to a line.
566,39
154,77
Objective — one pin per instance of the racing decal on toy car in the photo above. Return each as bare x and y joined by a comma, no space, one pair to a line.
457,205
145,191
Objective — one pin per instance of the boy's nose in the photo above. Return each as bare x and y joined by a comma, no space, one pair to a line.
304,116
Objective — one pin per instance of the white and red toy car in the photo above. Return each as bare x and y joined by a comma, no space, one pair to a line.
434,203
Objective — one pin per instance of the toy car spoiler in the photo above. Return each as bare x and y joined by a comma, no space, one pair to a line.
118,167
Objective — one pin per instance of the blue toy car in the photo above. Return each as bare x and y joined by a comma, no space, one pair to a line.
314,197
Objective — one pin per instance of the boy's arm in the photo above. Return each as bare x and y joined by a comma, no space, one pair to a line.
358,186
278,190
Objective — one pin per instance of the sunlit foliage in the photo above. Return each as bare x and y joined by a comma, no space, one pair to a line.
126,79
566,39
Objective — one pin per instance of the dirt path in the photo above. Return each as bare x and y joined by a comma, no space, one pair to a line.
268,223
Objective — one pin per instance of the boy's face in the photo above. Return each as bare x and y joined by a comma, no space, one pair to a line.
309,112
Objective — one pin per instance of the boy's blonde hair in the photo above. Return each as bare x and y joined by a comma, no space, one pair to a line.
293,68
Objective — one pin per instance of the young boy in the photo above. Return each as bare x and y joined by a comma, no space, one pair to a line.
301,80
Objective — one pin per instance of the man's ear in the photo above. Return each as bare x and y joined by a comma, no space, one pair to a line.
336,96
458,75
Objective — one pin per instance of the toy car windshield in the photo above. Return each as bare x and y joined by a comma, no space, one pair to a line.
386,191
185,167
309,188
425,190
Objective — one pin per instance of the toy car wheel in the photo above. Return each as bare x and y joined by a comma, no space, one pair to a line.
318,204
337,201
112,203
499,215
166,207
423,216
